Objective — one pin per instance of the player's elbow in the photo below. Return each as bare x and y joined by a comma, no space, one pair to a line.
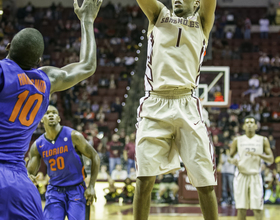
89,68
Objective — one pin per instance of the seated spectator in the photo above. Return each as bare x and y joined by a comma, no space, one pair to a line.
118,173
227,53
275,90
266,114
272,192
105,106
247,28
95,107
117,106
128,191
100,116
275,62
168,183
254,93
103,174
89,115
112,84
111,194
272,142
264,63
276,115
132,173
254,81
103,82
53,99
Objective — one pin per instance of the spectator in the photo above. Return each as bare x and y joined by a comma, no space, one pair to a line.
78,116
272,192
227,53
128,191
227,170
271,13
103,82
105,106
129,153
264,62
247,28
275,62
112,84
103,174
117,106
132,173
168,183
264,27
118,173
115,148
111,194
254,93
53,99
254,81
88,116
272,142
100,116
95,107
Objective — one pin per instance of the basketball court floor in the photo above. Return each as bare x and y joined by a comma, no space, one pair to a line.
118,211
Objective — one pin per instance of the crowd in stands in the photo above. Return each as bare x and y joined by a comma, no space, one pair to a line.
84,107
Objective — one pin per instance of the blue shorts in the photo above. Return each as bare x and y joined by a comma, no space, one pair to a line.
65,201
19,198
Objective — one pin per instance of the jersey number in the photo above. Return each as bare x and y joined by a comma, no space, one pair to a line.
249,150
179,37
59,163
26,108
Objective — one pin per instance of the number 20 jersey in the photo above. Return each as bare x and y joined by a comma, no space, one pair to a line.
64,164
249,164
23,102
176,49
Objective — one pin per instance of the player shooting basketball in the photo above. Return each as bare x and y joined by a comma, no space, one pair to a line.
170,123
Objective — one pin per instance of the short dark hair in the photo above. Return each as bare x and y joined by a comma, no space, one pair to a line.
27,47
249,117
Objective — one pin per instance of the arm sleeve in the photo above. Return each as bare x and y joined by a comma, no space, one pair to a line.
1,79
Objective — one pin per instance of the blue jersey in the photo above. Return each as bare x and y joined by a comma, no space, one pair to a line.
64,164
24,99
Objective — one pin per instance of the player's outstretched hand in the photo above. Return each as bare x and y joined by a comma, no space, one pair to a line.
33,178
88,11
90,195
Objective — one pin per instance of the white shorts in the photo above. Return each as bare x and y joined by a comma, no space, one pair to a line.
248,191
170,126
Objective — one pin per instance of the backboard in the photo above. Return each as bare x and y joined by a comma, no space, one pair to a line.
213,88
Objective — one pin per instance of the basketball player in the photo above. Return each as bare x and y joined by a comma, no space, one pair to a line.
61,149
24,97
169,116
248,189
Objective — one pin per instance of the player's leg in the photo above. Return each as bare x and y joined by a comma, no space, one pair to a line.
76,205
55,208
142,197
256,196
197,154
19,198
258,214
208,202
241,214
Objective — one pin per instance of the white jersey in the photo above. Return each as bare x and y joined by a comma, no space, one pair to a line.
176,48
249,164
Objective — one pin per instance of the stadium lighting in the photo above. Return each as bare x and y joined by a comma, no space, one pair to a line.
125,95
127,88
140,44
116,130
119,121
132,73
137,51
141,38
1,12
123,103
143,31
136,59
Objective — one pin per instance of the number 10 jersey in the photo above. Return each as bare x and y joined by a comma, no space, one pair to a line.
249,164
23,102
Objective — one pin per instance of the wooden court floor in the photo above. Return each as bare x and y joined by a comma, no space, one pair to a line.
118,211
